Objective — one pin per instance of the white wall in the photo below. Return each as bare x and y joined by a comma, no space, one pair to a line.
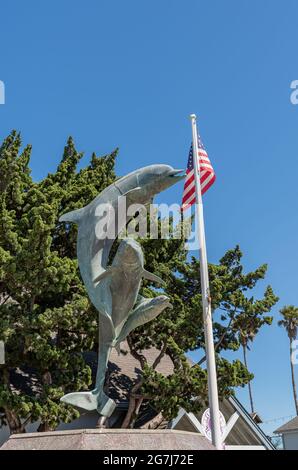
245,447
87,420
290,440
4,431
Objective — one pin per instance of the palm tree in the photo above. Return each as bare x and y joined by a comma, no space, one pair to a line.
247,328
246,335
290,323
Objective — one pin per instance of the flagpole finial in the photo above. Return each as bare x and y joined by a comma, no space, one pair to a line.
193,116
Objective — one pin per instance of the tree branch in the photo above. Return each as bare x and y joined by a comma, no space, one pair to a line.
160,356
201,361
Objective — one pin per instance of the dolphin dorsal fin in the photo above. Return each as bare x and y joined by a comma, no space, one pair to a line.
152,277
73,216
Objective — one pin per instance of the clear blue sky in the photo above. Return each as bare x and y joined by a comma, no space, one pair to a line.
128,74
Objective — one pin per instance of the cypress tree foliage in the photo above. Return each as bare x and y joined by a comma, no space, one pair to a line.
181,329
47,321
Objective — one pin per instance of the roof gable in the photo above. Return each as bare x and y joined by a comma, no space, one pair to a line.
291,425
243,432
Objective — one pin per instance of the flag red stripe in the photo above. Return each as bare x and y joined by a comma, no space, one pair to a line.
207,178
188,181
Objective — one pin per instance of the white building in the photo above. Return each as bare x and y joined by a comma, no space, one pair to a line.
289,434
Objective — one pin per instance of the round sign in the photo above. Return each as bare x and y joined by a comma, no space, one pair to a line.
206,423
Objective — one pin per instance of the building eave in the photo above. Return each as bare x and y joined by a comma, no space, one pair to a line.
246,416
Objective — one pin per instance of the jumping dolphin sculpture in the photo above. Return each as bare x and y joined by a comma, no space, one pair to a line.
114,290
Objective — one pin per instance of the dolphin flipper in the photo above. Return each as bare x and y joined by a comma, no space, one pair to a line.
108,272
152,277
73,216
145,311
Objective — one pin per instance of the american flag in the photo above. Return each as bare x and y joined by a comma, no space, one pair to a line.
207,176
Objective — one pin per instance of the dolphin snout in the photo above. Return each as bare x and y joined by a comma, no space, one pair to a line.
177,174
162,300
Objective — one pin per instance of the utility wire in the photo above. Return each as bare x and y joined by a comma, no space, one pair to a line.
273,420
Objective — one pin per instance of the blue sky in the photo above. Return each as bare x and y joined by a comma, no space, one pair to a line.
128,74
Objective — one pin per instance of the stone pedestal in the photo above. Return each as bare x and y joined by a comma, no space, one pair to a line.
108,439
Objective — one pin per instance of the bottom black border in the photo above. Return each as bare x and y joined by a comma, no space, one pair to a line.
147,458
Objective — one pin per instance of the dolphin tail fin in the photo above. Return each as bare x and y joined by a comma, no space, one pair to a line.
89,401
73,216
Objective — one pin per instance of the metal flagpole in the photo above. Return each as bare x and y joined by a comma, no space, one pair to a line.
207,314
